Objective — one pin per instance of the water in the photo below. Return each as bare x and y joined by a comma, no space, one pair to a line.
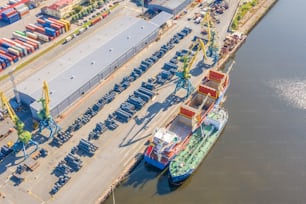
261,156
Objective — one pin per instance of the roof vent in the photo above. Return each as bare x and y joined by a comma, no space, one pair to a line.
72,77
93,62
110,49
51,92
128,37
142,27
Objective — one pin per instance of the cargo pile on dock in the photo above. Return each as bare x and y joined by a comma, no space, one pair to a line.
72,163
134,103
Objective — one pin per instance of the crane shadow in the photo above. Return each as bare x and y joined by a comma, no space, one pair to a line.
10,161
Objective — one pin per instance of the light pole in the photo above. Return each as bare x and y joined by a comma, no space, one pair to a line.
12,78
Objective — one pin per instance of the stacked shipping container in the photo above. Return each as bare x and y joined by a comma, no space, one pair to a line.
24,43
22,9
10,15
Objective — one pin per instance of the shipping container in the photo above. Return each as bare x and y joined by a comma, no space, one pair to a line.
13,17
31,47
41,21
8,12
3,44
30,28
14,52
24,49
21,51
40,28
20,6
59,27
11,59
31,35
42,37
5,60
16,46
23,11
5,52
27,40
50,32
20,32
35,45
61,24
3,64
67,23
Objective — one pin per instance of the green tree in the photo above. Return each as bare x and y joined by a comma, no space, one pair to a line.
77,9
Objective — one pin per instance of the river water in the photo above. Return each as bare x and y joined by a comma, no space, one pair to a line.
261,155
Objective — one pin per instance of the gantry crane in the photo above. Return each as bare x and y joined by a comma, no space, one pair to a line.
212,50
184,75
24,136
46,120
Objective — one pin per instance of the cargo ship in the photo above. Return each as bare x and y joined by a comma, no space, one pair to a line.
200,143
168,141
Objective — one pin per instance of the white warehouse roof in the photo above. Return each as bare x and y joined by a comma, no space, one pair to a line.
161,18
83,62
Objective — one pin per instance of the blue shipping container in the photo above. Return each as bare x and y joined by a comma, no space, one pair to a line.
50,31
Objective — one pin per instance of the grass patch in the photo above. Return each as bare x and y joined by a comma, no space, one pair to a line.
242,11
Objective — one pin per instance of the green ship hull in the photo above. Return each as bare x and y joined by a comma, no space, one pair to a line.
200,143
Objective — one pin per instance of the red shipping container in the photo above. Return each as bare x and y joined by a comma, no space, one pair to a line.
6,55
29,49
40,29
11,13
24,13
41,21
30,28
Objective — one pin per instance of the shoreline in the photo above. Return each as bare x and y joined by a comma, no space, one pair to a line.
246,29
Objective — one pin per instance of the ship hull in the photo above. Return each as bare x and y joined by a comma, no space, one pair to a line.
155,163
179,179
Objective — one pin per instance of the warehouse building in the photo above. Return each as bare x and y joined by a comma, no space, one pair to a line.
83,67
162,19
169,6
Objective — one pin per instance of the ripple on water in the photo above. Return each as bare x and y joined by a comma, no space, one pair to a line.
292,91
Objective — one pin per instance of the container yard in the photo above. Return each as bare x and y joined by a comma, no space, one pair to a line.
101,95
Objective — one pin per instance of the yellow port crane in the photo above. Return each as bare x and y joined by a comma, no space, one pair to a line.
212,49
184,75
46,120
24,136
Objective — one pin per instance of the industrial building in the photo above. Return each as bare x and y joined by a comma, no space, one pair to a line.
170,6
83,67
62,8
161,19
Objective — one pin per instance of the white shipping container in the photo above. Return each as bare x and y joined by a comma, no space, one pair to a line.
13,51
31,46
23,38
42,37
22,9
21,50
22,47
31,35
20,6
